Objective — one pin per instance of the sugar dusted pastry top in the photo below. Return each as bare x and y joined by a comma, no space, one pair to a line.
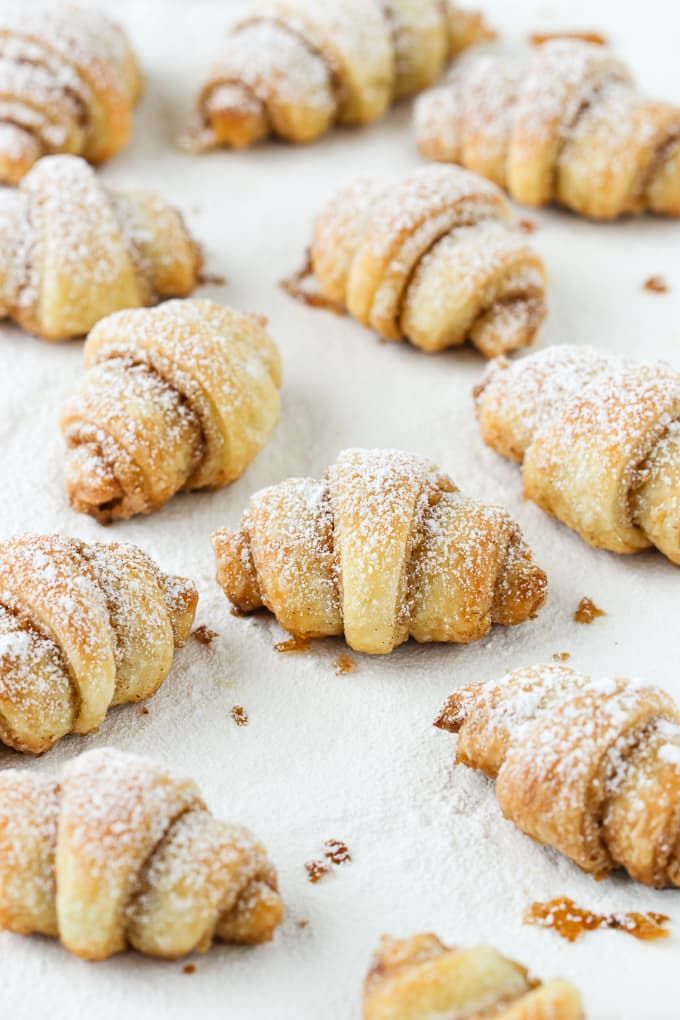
294,68
420,978
68,83
598,437
120,852
432,259
381,549
73,250
173,398
567,125
83,626
588,766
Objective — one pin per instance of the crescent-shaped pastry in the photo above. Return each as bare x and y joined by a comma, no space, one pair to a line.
431,259
73,250
178,397
420,978
382,549
83,626
119,852
295,68
567,126
69,82
598,438
590,767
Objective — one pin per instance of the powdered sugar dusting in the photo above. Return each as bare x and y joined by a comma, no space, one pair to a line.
566,126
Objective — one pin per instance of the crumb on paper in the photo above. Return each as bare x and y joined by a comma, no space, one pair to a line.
656,284
344,664
527,226
212,280
586,611
561,656
189,968
303,923
239,715
583,35
143,710
294,644
316,870
204,635
336,851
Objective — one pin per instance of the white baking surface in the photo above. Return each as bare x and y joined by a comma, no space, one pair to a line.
356,757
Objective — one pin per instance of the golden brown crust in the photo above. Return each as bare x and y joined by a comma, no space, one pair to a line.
431,259
381,549
182,396
295,68
83,626
121,852
569,127
591,768
599,442
420,978
68,84
73,250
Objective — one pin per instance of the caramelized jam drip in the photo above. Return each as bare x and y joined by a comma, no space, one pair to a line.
595,38
204,635
336,851
587,611
344,664
239,715
656,285
295,643
316,870
297,287
569,921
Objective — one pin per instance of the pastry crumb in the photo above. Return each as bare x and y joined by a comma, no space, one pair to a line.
189,968
595,38
656,285
344,664
316,870
561,656
337,851
294,643
239,715
212,280
143,710
527,226
304,923
204,635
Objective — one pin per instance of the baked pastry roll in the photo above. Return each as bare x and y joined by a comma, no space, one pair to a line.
590,767
566,126
73,250
69,82
295,68
178,397
83,626
432,260
420,978
383,548
598,438
119,852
